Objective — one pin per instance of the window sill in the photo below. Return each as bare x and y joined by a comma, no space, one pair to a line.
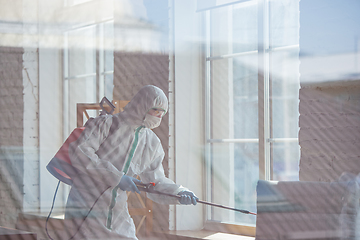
201,234
57,219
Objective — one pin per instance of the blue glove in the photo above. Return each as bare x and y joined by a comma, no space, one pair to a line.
188,197
128,183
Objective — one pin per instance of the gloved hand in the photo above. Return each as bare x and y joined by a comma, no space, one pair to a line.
188,197
128,183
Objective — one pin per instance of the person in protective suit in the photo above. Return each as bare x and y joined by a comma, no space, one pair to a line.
111,151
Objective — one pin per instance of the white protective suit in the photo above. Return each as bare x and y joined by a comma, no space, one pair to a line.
101,157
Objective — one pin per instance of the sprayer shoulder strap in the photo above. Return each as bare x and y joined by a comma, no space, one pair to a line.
104,147
114,125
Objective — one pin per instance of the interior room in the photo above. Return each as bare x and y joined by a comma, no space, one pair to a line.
261,120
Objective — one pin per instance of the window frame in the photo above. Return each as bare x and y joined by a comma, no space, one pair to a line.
99,74
265,137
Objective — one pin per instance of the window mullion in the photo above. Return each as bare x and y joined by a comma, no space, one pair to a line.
97,62
263,91
66,86
208,116
100,61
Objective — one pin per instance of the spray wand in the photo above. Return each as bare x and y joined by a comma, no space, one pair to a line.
149,187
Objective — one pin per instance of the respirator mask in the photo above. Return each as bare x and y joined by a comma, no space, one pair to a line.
151,121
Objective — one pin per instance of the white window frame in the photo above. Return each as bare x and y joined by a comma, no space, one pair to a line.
100,73
265,139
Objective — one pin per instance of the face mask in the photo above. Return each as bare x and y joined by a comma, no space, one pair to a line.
151,121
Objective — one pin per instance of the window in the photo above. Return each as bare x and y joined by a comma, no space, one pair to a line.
252,84
88,68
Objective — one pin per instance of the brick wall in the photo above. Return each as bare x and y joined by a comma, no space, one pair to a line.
330,91
329,130
131,72
135,70
11,134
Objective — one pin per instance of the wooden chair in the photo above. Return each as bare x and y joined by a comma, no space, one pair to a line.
82,108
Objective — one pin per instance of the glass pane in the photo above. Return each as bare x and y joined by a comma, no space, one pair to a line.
234,29
109,86
222,99
245,89
82,90
234,108
286,157
234,114
82,51
109,46
246,177
234,103
285,93
285,84
235,171
284,23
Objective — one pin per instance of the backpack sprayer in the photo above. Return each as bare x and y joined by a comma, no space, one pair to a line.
61,167
150,189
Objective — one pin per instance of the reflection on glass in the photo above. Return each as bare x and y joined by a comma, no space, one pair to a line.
234,115
285,113
284,23
235,97
235,173
286,157
234,29
246,177
109,86
235,80
245,90
109,46
285,93
81,90
82,53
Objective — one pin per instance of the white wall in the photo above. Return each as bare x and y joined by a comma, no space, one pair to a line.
189,122
31,107
42,102
31,129
50,123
